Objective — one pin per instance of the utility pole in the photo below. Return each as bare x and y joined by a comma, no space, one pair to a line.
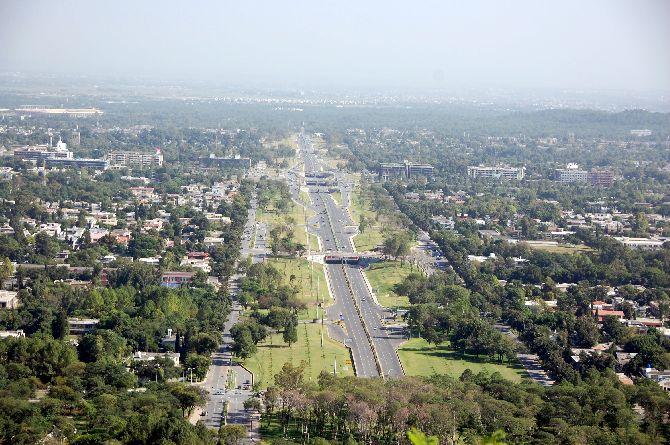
318,299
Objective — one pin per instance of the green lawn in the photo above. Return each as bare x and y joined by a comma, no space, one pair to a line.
420,358
299,213
383,276
273,353
309,279
304,197
295,217
372,236
337,197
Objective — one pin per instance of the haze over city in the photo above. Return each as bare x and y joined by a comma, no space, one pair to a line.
593,45
335,223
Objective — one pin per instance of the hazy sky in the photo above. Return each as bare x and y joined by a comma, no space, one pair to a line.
589,44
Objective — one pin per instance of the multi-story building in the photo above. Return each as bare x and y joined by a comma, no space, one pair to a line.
227,162
572,173
414,170
135,158
498,172
603,178
390,170
406,170
39,153
98,164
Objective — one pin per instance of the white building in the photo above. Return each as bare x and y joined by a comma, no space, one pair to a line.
9,299
572,173
197,264
497,172
13,334
135,158
141,356
641,243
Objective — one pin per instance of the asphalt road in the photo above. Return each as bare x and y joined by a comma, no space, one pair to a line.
226,382
254,237
335,228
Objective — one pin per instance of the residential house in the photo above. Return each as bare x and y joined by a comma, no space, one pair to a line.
175,278
9,299
79,326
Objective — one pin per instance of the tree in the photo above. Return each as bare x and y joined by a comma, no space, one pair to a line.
144,245
363,224
86,238
290,377
187,396
45,246
277,317
204,343
6,269
586,333
417,437
496,438
199,363
397,245
640,224
243,341
613,328
252,404
231,434
60,328
291,331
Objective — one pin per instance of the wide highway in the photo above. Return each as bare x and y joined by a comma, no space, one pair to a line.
372,343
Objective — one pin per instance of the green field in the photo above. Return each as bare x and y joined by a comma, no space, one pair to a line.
304,197
295,217
337,197
372,237
308,278
273,353
383,276
420,358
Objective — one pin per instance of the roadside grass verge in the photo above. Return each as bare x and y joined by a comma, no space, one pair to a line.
383,276
422,359
273,353
307,279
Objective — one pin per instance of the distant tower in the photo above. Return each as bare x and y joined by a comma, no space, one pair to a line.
75,139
